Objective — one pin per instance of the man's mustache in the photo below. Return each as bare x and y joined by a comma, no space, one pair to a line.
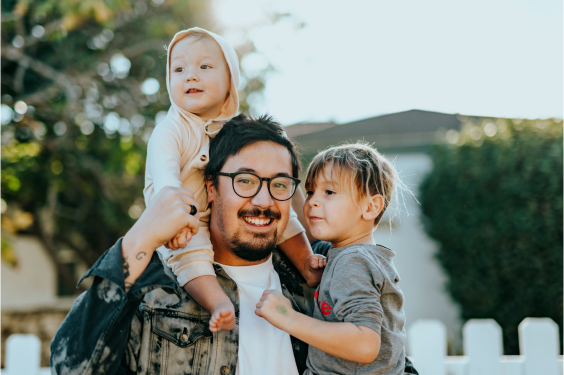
268,213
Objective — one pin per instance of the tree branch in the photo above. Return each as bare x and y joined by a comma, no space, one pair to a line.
64,81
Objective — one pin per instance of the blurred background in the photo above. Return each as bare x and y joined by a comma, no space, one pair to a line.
465,97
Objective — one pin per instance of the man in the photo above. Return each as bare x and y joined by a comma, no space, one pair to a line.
135,319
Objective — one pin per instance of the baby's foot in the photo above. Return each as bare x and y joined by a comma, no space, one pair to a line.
223,317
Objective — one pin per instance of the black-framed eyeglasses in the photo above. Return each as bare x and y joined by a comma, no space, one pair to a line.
247,185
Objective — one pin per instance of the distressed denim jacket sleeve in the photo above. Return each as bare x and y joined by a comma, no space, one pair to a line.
94,338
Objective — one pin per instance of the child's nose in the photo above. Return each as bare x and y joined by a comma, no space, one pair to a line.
191,76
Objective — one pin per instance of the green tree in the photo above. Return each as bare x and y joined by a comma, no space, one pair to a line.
493,201
82,85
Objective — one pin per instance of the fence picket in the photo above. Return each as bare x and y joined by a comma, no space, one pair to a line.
539,345
23,355
427,346
483,345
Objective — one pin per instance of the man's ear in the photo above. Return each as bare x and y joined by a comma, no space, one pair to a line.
372,207
211,190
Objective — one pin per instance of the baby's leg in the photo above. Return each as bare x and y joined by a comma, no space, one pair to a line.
207,292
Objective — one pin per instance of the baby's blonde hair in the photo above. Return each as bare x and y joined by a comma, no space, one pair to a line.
361,171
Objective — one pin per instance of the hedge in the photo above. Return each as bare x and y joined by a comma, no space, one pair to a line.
494,205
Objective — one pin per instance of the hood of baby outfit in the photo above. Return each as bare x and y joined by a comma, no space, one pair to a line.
231,105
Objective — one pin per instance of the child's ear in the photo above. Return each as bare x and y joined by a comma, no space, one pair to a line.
211,190
372,207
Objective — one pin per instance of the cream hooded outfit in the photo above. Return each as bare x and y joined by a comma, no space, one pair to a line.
177,155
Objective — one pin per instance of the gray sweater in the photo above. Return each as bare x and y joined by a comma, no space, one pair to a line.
360,285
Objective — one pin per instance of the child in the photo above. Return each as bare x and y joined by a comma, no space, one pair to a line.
358,322
202,78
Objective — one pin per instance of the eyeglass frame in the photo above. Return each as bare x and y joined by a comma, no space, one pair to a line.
261,179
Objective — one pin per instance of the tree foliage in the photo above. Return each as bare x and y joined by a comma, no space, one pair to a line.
495,207
79,101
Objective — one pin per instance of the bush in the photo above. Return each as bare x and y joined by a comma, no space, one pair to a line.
494,206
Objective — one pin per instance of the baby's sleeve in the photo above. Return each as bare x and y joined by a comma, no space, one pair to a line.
356,286
293,228
163,160
195,260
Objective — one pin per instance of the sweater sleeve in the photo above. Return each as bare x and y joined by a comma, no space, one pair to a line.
293,228
356,286
163,160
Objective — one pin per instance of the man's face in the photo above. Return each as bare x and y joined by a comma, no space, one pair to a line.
246,230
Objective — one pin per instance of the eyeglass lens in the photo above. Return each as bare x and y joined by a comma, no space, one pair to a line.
247,185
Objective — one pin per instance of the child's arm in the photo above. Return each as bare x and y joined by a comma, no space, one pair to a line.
344,340
310,265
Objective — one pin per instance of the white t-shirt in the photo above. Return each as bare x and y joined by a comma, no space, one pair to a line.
263,348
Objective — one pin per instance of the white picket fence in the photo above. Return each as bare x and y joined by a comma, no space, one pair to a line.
483,347
538,343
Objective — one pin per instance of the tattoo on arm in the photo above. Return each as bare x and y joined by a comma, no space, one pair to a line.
140,255
125,268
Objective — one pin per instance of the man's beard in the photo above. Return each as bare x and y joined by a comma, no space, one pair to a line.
261,245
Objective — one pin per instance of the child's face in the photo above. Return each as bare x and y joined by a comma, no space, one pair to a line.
330,211
199,77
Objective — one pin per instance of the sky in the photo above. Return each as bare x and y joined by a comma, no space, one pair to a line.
344,61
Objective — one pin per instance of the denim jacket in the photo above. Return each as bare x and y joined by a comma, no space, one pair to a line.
156,328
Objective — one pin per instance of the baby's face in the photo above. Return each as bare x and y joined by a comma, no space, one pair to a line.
199,77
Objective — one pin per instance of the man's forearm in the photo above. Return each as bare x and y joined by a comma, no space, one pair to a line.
343,340
136,256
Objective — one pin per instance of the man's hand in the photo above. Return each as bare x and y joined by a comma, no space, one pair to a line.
276,309
166,215
315,265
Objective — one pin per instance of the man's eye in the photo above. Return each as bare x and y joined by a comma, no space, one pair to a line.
205,67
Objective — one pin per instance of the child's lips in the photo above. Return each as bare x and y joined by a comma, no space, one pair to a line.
193,91
314,218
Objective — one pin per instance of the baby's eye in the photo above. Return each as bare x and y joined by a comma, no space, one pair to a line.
205,67
329,192
178,69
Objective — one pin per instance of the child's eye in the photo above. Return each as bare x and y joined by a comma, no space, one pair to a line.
309,192
179,69
329,192
205,67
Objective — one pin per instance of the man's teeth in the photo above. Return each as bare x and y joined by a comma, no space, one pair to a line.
257,221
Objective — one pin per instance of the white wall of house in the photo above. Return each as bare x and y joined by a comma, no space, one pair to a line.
32,284
421,278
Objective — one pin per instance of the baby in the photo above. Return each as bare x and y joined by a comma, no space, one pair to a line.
202,78
358,321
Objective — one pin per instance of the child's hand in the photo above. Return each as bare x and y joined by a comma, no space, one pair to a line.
223,317
181,239
315,266
275,308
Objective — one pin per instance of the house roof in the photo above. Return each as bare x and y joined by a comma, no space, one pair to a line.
414,129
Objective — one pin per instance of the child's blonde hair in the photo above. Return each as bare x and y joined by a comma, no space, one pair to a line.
360,170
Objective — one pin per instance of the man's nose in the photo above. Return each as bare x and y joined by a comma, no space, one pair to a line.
263,198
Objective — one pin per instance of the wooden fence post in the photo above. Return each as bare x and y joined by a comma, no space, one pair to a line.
483,345
427,346
539,345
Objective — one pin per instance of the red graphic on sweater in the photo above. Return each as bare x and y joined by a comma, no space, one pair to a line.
316,295
325,308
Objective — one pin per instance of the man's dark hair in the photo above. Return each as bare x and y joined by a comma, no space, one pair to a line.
242,131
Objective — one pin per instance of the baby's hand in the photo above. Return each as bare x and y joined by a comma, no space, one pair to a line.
180,240
315,266
223,317
275,308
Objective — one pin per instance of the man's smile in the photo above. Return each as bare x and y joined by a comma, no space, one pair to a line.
258,221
